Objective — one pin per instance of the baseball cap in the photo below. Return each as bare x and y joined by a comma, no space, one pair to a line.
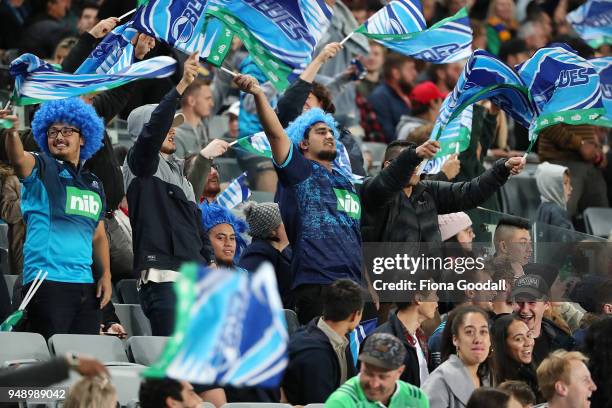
383,350
234,109
530,286
425,92
142,114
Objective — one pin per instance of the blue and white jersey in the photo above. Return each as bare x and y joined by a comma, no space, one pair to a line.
61,207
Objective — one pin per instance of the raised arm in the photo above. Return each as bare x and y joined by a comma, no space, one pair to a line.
22,161
279,141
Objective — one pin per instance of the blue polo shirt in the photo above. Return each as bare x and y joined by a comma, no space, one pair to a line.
61,207
321,211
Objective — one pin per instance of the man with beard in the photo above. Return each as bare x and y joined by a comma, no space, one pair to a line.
319,205
378,383
390,100
165,219
531,297
445,76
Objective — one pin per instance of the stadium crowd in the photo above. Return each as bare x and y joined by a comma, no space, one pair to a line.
92,208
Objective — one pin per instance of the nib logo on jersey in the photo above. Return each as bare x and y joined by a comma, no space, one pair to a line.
83,202
348,202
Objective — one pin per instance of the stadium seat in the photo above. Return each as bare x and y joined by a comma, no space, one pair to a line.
107,349
145,349
255,405
133,320
3,235
598,221
127,291
228,169
292,321
126,380
262,197
115,294
23,347
10,284
315,406
520,196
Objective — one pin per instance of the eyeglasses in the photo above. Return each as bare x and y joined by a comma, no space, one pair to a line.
66,132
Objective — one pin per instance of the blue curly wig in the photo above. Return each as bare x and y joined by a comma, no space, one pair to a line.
297,129
75,112
214,214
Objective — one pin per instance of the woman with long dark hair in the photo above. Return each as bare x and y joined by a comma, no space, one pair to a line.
513,353
465,369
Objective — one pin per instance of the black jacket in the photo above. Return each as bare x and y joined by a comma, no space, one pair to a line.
291,105
389,216
166,221
260,251
37,375
551,338
313,372
411,373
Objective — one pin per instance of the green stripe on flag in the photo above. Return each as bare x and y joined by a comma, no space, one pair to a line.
275,70
245,144
6,124
221,46
594,116
449,146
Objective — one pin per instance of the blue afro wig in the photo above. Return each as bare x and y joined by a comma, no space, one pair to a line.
298,128
214,214
74,112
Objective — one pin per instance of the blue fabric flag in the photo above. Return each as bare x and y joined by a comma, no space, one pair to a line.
564,87
230,329
454,139
114,53
37,81
593,22
449,40
357,336
235,193
280,35
603,66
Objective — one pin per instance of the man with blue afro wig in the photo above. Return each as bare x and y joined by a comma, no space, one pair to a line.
63,207
72,113
225,231
319,205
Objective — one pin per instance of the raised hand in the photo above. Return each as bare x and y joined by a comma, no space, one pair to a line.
190,72
248,84
214,149
104,27
428,149
515,165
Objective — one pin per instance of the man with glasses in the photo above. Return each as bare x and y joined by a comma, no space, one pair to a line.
63,206
165,218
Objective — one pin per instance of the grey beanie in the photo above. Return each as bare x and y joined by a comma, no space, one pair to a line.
141,115
262,218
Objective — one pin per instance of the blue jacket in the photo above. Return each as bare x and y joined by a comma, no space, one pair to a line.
389,108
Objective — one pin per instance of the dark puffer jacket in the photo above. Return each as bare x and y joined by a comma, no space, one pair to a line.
388,215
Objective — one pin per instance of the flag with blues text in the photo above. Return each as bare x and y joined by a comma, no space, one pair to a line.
230,329
183,25
593,22
357,336
603,66
37,81
235,193
280,35
449,40
564,87
114,53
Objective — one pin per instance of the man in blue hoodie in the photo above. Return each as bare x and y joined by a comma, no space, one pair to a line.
320,358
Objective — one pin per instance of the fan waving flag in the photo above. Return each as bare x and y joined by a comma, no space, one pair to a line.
235,193
454,139
182,25
564,87
603,66
449,40
280,35
230,329
114,53
593,22
37,81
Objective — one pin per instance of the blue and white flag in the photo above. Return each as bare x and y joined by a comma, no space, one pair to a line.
37,81
449,40
357,336
593,22
486,77
235,193
114,53
230,329
454,139
564,87
603,66
280,35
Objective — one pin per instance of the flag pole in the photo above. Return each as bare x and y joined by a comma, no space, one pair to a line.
8,103
232,143
127,14
346,38
232,73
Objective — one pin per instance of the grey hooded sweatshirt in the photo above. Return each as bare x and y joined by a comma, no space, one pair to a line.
552,210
